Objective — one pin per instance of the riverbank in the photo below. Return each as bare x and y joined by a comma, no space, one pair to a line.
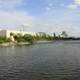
22,43
44,41
7,44
13,44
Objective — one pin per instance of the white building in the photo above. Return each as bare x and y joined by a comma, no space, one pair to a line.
7,33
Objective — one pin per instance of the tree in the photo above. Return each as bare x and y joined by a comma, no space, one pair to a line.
64,34
54,34
28,38
11,34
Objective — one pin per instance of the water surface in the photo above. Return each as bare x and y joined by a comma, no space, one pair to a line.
51,61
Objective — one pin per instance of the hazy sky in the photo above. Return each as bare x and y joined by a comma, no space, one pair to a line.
41,15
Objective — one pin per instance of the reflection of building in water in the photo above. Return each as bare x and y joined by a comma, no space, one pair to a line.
7,33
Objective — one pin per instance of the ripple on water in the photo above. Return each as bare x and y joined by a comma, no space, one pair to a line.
52,61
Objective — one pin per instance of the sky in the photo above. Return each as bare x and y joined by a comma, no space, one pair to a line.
41,15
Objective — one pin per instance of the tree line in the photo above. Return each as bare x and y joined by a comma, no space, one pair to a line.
40,36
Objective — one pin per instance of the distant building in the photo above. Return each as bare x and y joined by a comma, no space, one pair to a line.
7,33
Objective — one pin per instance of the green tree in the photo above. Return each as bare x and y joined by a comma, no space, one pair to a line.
64,34
28,38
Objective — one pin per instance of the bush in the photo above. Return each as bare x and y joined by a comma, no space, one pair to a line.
4,40
19,38
28,38
25,38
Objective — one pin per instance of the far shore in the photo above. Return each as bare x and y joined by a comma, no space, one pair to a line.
22,43
13,44
7,44
39,38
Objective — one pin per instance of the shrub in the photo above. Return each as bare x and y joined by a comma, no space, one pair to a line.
28,37
4,40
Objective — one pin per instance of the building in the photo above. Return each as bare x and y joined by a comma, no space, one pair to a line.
7,33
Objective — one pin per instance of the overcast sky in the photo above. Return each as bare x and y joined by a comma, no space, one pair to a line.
41,15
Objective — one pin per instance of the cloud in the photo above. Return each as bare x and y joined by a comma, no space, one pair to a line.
47,8
50,4
72,6
10,16
62,5
16,18
77,2
57,28
10,4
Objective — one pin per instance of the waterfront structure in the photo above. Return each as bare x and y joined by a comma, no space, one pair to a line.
7,33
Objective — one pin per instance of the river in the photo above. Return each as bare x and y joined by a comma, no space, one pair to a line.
51,61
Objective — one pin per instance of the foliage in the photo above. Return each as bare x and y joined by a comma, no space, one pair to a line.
43,36
4,40
11,34
64,34
38,37
28,38
25,38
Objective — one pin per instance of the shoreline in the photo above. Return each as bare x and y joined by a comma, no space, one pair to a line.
8,44
14,44
41,42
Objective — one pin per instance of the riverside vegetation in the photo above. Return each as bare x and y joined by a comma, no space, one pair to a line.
41,36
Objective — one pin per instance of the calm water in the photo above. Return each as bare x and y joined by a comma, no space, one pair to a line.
52,61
